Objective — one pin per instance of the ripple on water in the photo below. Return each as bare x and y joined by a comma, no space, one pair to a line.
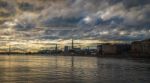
67,69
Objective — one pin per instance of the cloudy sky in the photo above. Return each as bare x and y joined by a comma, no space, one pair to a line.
108,20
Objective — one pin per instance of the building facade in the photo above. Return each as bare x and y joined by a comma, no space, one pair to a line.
113,49
141,48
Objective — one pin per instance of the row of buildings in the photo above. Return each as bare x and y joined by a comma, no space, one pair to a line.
137,49
113,49
141,48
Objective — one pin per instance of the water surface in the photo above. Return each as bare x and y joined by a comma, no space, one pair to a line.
67,69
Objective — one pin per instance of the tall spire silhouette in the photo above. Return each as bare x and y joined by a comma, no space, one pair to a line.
56,48
72,44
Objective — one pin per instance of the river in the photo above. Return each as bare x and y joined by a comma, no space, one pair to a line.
68,69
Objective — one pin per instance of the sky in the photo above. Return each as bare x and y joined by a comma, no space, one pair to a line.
61,20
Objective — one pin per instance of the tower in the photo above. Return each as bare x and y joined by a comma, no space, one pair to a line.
56,48
72,44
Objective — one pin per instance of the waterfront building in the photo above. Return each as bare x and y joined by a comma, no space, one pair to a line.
140,48
113,49
99,49
109,49
66,49
146,47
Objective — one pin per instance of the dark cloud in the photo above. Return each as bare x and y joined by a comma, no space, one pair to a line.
24,26
125,20
62,22
6,9
26,6
135,3
5,14
4,4
48,37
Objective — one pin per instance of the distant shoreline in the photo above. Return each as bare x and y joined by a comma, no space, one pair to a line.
99,56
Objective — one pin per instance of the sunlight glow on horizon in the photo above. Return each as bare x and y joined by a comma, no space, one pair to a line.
35,45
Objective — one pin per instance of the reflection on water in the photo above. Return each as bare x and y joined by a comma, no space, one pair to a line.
67,69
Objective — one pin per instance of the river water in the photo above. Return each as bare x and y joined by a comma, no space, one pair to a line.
67,69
